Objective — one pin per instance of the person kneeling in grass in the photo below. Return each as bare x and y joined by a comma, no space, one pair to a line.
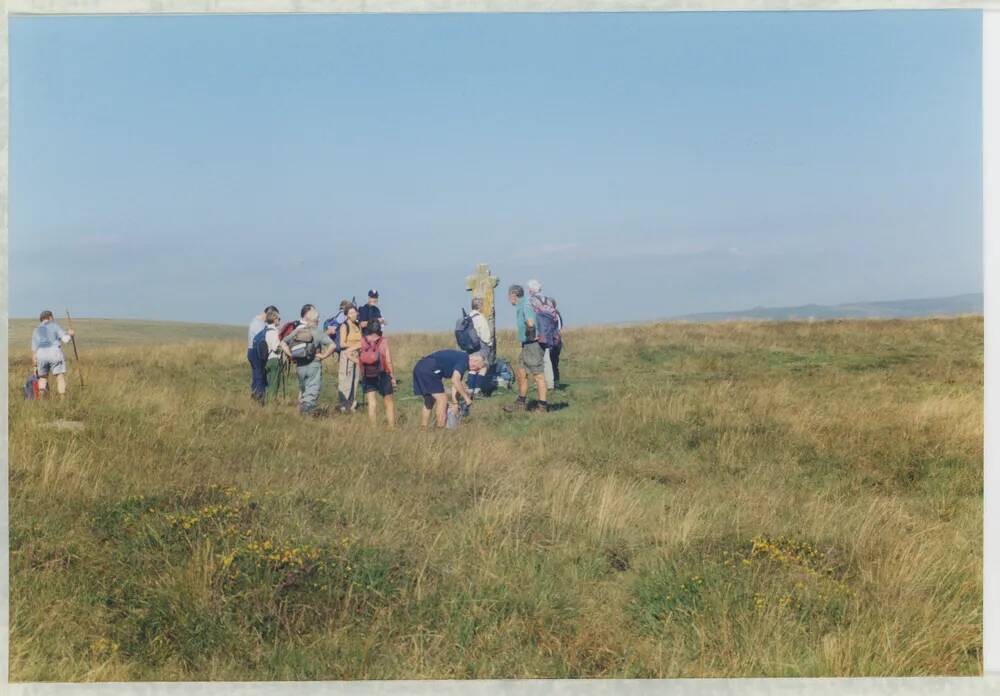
428,381
376,372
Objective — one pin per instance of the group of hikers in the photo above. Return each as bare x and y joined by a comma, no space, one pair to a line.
355,338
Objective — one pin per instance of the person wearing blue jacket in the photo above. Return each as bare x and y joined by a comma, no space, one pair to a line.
47,356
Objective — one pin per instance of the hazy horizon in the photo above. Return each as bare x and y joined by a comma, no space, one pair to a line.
642,166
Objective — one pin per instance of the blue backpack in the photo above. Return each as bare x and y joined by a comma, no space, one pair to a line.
466,335
259,349
335,323
548,325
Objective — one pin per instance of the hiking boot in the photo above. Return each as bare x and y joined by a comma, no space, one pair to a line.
539,408
516,407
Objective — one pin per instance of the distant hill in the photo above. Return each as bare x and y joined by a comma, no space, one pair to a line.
108,332
893,309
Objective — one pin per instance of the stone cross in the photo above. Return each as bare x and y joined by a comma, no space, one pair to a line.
481,283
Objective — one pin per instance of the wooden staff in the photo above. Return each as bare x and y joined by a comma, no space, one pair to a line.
76,354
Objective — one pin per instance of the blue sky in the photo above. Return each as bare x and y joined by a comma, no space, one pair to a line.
640,165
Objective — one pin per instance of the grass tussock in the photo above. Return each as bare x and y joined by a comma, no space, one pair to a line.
746,499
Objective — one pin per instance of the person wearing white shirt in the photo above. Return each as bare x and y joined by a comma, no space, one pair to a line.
46,352
482,327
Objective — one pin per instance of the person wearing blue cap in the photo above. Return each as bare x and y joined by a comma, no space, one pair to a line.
371,313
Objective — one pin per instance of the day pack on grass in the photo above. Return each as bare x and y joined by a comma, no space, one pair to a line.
31,388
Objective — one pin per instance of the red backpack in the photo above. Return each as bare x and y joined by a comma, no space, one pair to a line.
286,329
370,357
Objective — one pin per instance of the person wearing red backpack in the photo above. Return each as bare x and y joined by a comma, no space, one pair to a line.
376,372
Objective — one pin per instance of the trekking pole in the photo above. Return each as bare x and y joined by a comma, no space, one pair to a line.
76,355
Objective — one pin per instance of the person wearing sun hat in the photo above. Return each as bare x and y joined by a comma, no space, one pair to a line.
371,312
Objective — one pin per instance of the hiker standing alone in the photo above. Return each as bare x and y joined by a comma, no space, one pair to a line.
307,346
258,378
347,374
47,357
532,360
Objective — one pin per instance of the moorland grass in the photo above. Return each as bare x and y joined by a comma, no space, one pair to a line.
781,499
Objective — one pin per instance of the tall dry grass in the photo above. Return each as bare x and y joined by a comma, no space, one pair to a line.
713,500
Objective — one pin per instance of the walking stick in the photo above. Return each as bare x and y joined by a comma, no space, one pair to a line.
76,354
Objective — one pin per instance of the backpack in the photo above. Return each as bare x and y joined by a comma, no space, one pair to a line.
259,349
335,323
548,324
286,329
370,357
466,335
303,347
31,388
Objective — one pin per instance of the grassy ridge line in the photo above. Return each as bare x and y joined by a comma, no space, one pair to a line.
111,332
716,500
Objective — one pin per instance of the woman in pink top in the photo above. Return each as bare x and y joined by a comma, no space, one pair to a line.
376,372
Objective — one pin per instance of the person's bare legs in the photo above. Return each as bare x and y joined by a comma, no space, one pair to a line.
522,381
390,410
43,387
441,409
542,388
425,412
372,416
61,384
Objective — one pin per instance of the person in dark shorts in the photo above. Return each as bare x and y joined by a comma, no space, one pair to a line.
532,359
428,381
370,313
377,377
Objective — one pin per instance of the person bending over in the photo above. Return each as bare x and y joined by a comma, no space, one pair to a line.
428,381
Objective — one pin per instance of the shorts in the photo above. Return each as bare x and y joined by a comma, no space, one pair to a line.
533,358
425,381
381,384
51,361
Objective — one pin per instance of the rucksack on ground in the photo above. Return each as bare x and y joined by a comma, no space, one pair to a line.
466,334
370,356
303,346
500,375
335,322
31,388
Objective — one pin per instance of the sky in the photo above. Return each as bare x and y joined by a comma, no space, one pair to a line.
641,166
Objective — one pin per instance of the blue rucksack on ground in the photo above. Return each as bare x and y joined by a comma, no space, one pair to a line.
466,335
31,388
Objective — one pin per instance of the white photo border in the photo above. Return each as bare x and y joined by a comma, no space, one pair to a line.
960,686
